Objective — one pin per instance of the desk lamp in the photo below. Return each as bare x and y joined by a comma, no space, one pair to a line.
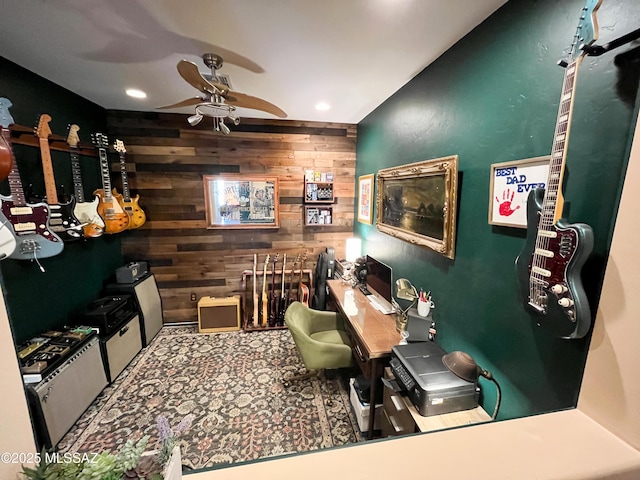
406,291
464,366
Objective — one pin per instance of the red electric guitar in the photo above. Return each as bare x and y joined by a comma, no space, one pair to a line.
303,290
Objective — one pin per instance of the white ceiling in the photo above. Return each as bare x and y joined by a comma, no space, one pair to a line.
352,54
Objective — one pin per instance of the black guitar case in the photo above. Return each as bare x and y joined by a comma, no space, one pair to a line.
324,271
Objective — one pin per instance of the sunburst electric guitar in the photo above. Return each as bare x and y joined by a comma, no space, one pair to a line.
62,220
128,204
115,218
30,221
550,264
86,212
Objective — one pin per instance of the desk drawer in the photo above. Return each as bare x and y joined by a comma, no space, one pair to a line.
359,351
398,418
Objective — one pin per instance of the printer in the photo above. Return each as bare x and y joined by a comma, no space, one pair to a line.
433,389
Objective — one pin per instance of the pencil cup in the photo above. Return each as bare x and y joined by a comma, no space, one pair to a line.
424,307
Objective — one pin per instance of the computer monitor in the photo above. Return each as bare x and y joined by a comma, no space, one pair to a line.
379,280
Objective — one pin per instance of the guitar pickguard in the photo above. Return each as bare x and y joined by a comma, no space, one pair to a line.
549,273
31,227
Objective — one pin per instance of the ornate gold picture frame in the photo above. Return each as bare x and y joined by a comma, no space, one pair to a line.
417,203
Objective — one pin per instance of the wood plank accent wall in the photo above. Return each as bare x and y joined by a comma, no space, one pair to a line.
166,160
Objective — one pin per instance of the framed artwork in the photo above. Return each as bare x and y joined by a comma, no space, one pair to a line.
417,203
365,198
241,201
509,190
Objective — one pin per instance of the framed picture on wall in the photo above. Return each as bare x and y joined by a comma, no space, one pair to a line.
417,203
241,201
509,189
365,198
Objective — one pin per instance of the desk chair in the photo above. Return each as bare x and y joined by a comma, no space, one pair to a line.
320,339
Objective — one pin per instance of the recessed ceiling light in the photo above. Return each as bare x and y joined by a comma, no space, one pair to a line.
135,93
322,106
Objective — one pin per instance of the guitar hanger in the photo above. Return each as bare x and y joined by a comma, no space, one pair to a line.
21,135
597,50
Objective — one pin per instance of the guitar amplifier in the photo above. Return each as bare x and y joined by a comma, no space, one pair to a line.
219,314
131,272
108,313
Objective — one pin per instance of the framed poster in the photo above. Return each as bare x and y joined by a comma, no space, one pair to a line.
510,185
241,201
417,203
365,198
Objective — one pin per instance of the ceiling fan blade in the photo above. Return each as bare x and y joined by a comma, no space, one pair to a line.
184,103
247,101
190,72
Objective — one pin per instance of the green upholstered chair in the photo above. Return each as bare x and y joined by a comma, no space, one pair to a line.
320,339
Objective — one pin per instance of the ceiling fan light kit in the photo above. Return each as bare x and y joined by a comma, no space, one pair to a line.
218,102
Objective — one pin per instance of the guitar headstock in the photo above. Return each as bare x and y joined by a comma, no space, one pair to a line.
119,146
100,140
304,259
43,130
586,31
266,261
72,137
5,117
275,259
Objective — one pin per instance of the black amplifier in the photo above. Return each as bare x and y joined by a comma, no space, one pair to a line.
108,313
131,272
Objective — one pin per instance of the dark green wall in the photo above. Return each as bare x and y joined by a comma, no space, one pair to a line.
494,98
37,301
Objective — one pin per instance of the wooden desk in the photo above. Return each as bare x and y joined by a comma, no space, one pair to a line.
372,334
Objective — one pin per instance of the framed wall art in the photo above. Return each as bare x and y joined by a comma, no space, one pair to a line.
241,201
509,189
366,185
417,203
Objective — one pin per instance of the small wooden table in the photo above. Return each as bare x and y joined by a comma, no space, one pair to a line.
372,334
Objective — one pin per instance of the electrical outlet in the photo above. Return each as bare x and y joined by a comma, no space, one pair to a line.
193,297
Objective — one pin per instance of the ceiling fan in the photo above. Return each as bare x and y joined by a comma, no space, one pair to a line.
217,101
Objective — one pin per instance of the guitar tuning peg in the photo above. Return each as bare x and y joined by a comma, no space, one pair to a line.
563,63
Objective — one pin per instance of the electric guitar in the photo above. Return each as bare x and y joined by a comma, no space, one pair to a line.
265,302
255,294
129,205
30,221
303,290
282,306
550,264
115,218
273,299
86,212
7,237
61,218
291,296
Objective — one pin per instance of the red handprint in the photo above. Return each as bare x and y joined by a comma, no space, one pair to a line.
505,205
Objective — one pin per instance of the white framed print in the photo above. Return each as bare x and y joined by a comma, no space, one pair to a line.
509,189
365,198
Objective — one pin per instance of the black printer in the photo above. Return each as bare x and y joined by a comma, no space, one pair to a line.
433,389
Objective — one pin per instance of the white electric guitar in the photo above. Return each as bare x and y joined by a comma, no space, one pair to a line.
86,212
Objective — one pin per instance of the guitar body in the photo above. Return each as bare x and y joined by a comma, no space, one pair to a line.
63,221
131,208
31,227
87,213
7,238
115,218
547,282
303,295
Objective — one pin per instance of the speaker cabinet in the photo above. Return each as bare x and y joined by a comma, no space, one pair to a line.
219,314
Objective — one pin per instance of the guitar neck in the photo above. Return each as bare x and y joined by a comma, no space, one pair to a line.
553,200
76,174
106,178
126,195
15,183
47,169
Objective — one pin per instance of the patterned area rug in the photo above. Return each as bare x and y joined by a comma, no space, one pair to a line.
232,383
